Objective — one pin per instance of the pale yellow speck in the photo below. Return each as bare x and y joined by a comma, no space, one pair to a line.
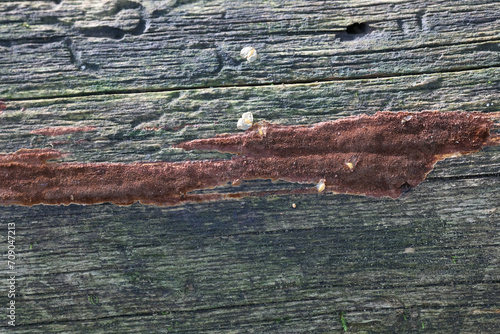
321,185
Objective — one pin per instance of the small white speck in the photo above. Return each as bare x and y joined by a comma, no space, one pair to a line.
245,122
406,119
249,53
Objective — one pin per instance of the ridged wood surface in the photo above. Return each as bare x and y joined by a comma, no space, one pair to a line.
150,74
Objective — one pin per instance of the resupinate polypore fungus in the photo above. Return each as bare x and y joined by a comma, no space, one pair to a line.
381,155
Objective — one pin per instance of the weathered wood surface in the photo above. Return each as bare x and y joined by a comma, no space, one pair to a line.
428,262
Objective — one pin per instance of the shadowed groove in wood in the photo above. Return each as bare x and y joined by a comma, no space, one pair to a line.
330,79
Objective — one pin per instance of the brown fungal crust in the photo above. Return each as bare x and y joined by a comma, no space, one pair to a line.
63,130
380,155
2,106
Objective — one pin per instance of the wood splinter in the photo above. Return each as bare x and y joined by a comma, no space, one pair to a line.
382,155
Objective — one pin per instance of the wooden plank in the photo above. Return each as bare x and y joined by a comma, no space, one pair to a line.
144,126
81,48
232,265
150,74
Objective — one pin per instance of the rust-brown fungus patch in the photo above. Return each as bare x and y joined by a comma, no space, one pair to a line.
2,106
62,130
380,155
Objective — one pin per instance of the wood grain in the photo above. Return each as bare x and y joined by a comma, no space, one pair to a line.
150,74
79,47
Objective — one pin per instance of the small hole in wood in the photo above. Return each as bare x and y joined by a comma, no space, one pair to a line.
357,28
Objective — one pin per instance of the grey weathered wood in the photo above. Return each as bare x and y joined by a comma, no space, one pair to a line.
427,262
259,263
83,47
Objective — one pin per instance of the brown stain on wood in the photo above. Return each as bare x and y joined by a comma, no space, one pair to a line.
381,155
63,130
